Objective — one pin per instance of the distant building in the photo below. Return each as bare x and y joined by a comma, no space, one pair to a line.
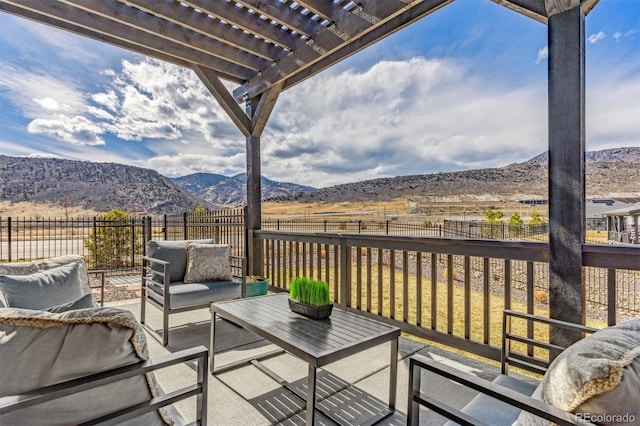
622,224
535,201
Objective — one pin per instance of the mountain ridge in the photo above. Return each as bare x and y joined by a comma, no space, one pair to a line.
608,173
222,190
104,186
92,185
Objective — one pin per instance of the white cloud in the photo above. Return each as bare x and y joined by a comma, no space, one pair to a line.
596,37
182,164
75,130
398,118
543,54
48,103
612,113
25,88
395,118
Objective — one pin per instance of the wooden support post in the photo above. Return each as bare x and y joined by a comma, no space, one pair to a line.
566,166
251,122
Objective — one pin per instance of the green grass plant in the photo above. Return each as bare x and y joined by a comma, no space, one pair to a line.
306,290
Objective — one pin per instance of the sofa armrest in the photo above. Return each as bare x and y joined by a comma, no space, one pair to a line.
148,271
501,393
49,393
100,272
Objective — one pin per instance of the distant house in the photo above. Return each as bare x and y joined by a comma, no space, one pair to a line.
596,209
534,201
622,224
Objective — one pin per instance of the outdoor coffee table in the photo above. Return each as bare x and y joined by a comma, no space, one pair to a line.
318,342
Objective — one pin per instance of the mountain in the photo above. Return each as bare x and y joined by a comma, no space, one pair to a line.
98,186
613,155
231,191
612,172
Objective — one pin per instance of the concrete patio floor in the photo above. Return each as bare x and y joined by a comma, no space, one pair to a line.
354,390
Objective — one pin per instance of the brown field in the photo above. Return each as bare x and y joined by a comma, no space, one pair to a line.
37,210
402,208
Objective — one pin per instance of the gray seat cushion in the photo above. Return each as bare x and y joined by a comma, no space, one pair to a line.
192,294
496,413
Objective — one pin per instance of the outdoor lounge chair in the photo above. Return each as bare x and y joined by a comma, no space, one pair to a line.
196,272
597,376
67,361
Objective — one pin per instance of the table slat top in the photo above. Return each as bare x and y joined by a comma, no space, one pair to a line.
317,341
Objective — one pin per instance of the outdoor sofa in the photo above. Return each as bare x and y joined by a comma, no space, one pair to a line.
595,380
65,360
196,272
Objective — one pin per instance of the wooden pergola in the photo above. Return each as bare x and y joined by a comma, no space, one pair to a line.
267,46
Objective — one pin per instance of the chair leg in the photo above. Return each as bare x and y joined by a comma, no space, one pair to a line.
143,303
165,326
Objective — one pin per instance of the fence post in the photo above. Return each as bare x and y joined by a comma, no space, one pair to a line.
184,226
345,274
216,231
277,224
133,241
359,226
9,236
440,231
325,226
387,227
95,243
164,226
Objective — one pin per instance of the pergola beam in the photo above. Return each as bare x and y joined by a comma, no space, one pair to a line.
88,23
214,28
284,15
237,16
263,110
381,10
224,98
387,28
119,12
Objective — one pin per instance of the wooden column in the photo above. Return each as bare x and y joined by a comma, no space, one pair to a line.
566,164
253,221
251,123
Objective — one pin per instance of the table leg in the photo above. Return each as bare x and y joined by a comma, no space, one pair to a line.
393,374
212,343
311,395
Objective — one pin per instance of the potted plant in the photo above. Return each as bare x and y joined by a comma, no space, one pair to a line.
256,285
310,298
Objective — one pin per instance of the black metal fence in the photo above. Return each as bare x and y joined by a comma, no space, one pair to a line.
114,245
447,229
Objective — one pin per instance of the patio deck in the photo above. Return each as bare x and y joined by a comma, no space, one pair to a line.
353,389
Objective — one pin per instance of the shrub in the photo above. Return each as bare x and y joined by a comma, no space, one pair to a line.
110,244
309,291
536,219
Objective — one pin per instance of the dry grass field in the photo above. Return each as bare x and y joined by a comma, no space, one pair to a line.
457,299
38,210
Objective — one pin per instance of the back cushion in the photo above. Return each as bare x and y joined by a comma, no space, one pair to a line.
174,252
26,268
45,289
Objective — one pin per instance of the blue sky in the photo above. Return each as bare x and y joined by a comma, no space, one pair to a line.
463,88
